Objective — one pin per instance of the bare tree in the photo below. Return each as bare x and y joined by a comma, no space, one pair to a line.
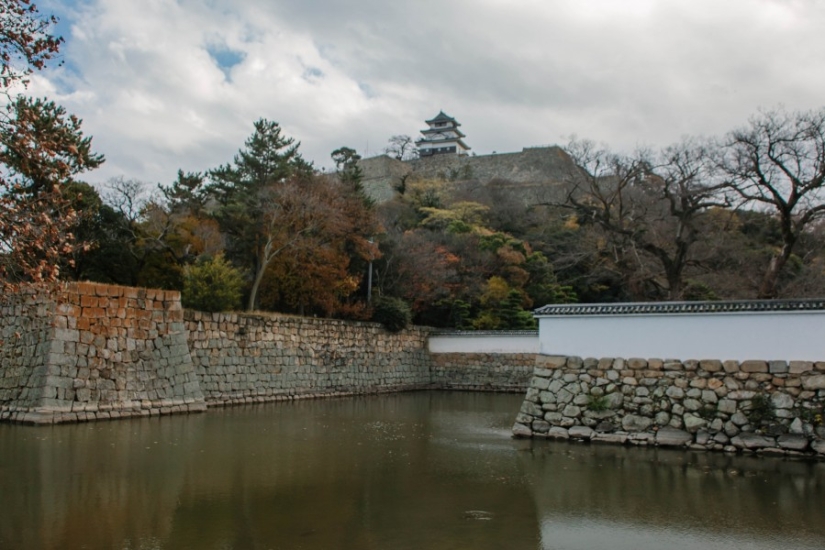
777,162
649,206
401,147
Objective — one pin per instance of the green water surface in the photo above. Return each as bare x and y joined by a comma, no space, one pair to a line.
422,470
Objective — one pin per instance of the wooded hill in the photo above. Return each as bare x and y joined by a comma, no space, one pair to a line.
462,245
738,217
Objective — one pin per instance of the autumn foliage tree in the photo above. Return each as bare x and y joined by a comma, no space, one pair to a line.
42,149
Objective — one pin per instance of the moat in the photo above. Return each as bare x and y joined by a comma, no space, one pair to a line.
433,470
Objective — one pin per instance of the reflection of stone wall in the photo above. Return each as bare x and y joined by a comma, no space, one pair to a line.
640,494
482,371
248,358
91,351
753,405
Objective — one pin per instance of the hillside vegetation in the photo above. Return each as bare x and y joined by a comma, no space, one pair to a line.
702,220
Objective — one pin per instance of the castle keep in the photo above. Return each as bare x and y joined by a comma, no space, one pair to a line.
529,174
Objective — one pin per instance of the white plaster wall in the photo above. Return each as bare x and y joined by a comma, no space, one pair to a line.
789,336
484,343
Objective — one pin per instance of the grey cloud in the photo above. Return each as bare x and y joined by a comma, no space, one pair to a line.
355,73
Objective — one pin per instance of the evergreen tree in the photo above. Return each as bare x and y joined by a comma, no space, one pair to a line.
242,189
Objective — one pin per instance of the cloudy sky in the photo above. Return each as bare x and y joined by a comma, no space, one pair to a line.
169,84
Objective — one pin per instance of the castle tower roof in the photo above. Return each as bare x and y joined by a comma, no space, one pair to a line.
442,117
442,137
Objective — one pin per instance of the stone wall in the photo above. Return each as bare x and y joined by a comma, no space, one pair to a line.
26,331
247,358
769,407
85,351
91,351
532,175
482,371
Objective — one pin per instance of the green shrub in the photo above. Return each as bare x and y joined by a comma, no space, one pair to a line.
761,410
393,313
597,403
212,284
707,411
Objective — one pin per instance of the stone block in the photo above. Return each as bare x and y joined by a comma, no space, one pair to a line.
741,395
635,423
614,438
710,365
730,366
580,432
540,426
752,441
674,392
547,398
799,367
727,406
557,432
553,417
781,400
590,363
572,411
550,362
753,366
792,442
539,383
520,430
636,363
816,382
693,422
614,400
714,383
605,363
532,409
662,418
699,383
777,367
692,404
655,364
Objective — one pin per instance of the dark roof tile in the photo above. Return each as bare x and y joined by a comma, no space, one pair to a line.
647,308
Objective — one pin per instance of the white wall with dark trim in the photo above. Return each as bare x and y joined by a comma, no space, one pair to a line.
724,331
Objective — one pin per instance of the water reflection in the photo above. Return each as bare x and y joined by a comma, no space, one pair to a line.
418,470
618,497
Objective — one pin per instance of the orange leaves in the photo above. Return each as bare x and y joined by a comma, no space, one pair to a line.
26,44
36,220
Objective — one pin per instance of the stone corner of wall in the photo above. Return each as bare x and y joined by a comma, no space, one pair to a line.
760,406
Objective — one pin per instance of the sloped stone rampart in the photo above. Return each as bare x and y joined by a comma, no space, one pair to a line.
26,331
248,358
755,406
85,351
532,175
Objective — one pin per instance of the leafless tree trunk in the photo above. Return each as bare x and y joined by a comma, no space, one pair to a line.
778,162
648,205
